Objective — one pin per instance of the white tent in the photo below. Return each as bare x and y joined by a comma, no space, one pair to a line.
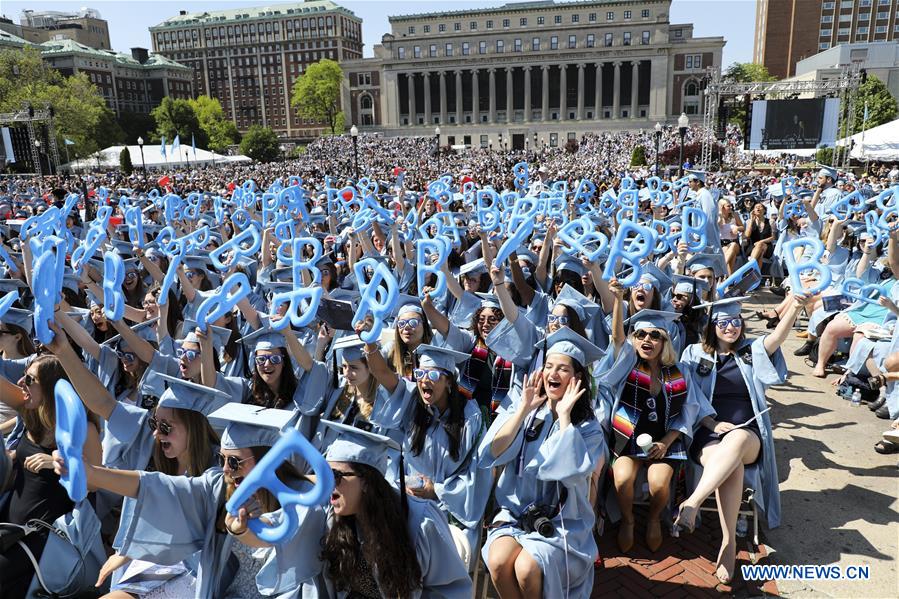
879,143
153,158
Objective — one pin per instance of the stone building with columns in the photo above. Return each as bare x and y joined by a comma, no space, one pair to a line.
530,72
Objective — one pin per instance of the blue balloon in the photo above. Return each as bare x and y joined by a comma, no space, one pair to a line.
135,221
579,234
71,433
693,229
431,254
236,245
7,301
789,186
113,277
7,260
47,275
303,303
233,290
861,291
849,203
627,257
295,258
737,276
263,476
813,264
169,279
514,239
375,299
520,172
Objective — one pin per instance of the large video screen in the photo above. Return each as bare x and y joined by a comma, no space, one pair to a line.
793,124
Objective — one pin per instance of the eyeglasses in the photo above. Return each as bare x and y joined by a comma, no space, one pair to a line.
273,358
191,274
681,297
736,322
643,334
130,276
29,380
126,356
190,354
408,323
488,320
164,427
643,286
147,303
339,475
432,374
561,320
234,464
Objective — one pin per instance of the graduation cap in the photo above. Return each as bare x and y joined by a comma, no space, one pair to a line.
7,285
220,335
356,446
24,319
573,299
198,262
568,343
827,171
248,425
407,303
123,248
473,268
138,327
348,348
283,274
488,300
264,338
524,253
692,285
571,263
187,395
724,308
431,356
714,262
698,175
652,319
654,275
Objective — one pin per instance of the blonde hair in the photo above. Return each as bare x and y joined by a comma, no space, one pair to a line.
667,357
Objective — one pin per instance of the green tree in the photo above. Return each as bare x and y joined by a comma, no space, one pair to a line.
824,156
220,131
125,161
316,93
81,114
177,117
260,143
744,72
638,156
881,105
137,124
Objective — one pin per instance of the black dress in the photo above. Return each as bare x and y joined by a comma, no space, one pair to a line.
758,234
731,402
33,496
651,421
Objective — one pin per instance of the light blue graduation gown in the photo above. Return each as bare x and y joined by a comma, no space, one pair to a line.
764,372
535,472
175,517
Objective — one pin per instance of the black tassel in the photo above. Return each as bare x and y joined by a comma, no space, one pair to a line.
403,498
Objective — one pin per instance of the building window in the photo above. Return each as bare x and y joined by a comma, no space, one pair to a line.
441,28
627,38
557,19
473,26
411,30
541,20
828,5
644,38
627,15
457,26
416,51
401,53
591,40
489,24
484,141
678,33
865,16
592,17
846,3
535,44
826,32
427,28
500,46
863,29
843,31
523,21
448,50
575,18
517,47
554,140
883,15
482,47
506,23
610,16
827,19
880,29
432,51
554,42
644,13
846,18
572,41
465,49
607,40
824,46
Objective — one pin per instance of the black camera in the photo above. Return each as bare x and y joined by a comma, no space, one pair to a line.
536,518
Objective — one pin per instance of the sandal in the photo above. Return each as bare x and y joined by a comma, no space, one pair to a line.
679,525
886,448
876,382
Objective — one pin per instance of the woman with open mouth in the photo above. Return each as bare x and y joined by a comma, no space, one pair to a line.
686,293
440,430
410,329
541,539
176,519
652,408
378,535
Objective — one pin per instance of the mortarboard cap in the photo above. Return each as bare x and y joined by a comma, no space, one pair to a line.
654,275
264,338
348,348
408,303
568,343
248,425
827,171
574,300
725,308
137,327
431,356
566,262
488,300
473,268
700,175
715,262
220,335
356,446
187,395
652,319
24,319
683,284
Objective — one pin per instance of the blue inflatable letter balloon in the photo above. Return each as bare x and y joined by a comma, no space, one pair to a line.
858,290
644,242
235,245
693,229
71,433
235,288
47,277
302,306
375,299
263,476
431,254
580,233
113,277
813,264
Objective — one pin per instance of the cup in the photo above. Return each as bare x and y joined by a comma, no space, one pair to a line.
645,442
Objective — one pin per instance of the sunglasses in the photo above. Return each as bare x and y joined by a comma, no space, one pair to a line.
643,286
432,374
643,334
130,276
29,380
339,475
736,322
190,354
164,428
234,464
681,297
488,320
126,356
147,303
561,320
191,274
408,323
274,359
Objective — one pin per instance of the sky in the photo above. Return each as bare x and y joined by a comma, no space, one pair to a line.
129,20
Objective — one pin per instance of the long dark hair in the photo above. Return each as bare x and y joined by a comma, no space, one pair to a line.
710,339
582,410
388,546
200,439
287,386
574,321
421,420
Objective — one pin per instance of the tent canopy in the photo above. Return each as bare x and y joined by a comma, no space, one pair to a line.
879,143
153,158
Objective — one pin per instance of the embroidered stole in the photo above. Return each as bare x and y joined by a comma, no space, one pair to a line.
627,413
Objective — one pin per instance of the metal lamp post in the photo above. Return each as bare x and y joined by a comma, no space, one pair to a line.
437,146
658,136
140,144
682,123
354,133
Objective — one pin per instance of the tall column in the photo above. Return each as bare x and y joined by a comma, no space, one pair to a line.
597,103
410,79
527,94
580,91
635,67
544,113
563,92
475,98
442,97
616,92
509,104
458,97
427,90
491,73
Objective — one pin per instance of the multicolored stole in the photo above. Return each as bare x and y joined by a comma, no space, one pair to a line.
627,413
485,380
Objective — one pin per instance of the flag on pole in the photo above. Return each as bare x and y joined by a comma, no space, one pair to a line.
176,143
68,142
162,147
193,144
865,117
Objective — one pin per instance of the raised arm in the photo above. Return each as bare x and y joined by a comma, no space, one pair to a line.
452,284
140,346
296,349
545,253
95,396
618,336
506,304
187,288
526,291
782,331
208,374
78,334
893,252
399,257
378,366
835,233
151,267
437,319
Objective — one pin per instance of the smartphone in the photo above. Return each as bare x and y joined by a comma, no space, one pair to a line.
835,303
749,282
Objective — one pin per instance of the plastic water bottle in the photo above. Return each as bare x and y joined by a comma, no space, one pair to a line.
856,399
742,526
